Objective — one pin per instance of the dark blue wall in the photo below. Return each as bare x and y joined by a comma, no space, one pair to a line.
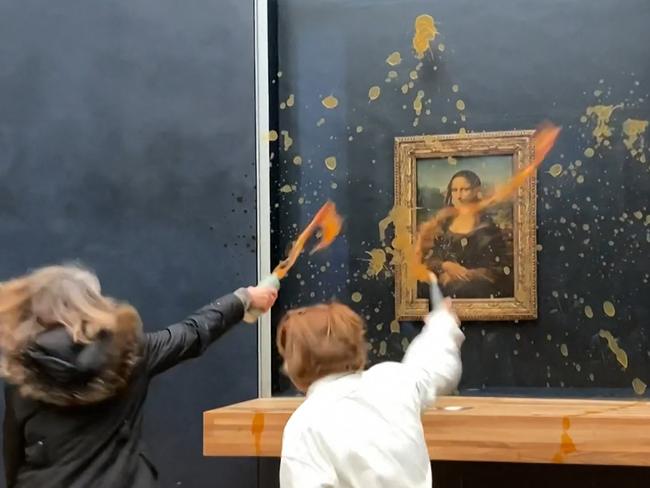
514,63
127,141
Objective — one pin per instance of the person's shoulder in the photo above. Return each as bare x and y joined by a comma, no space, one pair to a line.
385,367
386,371
301,417
391,380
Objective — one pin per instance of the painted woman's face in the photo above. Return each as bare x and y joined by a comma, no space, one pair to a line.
462,191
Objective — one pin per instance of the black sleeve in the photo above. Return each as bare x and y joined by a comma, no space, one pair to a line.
191,337
12,442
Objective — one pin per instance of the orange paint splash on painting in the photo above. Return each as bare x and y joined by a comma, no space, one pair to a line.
543,141
429,231
328,222
404,252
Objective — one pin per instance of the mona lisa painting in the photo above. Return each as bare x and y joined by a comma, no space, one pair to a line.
484,261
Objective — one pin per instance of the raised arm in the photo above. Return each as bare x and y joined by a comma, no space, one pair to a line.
192,336
434,356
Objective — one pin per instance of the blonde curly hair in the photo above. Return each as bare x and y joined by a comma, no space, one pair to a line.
68,296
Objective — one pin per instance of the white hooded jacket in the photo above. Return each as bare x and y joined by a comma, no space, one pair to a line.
364,429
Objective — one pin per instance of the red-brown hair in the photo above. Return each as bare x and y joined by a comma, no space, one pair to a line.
320,340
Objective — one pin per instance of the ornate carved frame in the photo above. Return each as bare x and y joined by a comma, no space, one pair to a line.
519,144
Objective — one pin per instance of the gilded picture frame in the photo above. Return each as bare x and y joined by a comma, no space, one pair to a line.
507,288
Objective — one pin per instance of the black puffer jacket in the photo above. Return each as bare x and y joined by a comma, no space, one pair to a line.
97,445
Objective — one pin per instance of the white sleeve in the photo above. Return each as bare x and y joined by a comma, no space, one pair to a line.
434,357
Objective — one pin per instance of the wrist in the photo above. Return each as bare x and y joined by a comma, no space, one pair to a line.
245,297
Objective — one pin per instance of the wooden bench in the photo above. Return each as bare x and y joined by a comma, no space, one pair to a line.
501,429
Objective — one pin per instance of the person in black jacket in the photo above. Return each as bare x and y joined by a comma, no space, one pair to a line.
77,368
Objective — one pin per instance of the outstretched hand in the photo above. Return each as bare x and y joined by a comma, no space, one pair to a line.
262,297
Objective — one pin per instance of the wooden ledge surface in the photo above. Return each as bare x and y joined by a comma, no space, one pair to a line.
501,429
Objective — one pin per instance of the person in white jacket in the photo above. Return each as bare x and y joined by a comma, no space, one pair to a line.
361,429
